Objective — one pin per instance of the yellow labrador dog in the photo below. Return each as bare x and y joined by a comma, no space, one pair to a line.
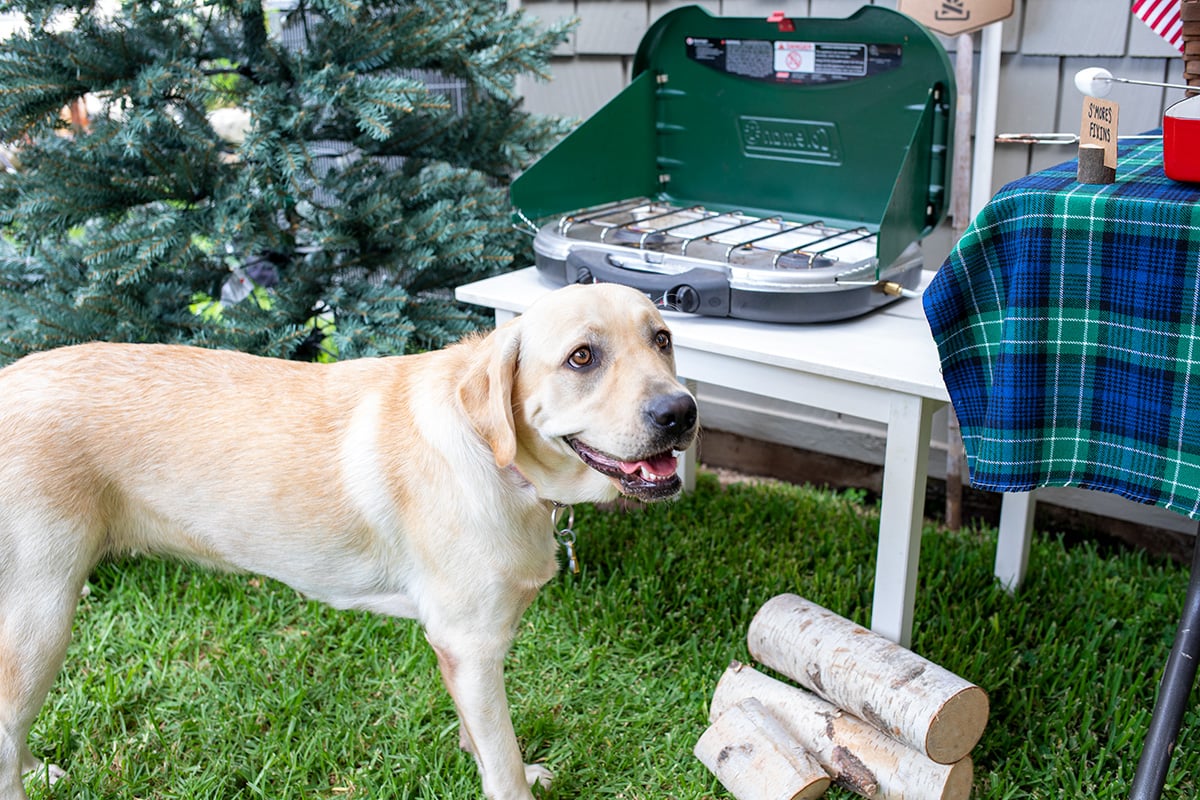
418,486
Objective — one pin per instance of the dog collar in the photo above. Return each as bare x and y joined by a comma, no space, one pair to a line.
524,482
565,536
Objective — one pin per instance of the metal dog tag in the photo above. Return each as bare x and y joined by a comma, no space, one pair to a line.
566,535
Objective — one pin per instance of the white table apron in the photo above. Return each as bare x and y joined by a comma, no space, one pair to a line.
882,367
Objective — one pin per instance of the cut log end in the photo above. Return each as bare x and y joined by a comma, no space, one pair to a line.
958,726
892,688
755,758
858,756
958,782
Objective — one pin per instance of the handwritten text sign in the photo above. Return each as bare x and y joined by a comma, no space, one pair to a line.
1099,126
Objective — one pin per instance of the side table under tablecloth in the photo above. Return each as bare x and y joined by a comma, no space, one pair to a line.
1067,319
1068,322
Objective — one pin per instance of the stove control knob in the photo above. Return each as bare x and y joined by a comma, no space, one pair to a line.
687,299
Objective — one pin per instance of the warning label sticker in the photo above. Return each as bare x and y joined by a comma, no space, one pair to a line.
795,56
794,62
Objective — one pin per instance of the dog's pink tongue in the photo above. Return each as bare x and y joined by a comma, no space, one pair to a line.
661,465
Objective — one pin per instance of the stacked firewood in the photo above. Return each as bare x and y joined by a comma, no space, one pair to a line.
1189,13
868,714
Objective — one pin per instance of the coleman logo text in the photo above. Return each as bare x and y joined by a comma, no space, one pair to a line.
790,139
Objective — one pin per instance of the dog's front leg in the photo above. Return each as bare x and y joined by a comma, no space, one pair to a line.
473,671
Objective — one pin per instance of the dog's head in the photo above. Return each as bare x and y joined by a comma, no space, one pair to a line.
579,394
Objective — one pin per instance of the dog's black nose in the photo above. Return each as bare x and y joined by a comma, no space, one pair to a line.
674,413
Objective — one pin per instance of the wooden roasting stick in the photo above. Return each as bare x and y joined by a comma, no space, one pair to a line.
858,757
755,759
895,690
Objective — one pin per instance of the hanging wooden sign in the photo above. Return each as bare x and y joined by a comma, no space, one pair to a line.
952,17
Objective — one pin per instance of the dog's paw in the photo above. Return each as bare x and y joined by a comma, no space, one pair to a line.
537,775
55,773
50,773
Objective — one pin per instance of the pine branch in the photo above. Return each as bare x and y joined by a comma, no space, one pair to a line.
117,230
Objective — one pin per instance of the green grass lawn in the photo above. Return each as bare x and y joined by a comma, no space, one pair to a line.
181,683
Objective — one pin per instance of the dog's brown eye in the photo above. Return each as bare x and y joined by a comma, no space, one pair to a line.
662,340
581,358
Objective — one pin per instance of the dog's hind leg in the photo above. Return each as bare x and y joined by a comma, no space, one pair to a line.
38,597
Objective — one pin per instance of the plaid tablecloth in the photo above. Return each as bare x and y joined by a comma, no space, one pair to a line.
1068,323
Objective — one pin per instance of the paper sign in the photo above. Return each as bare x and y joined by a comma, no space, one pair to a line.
1099,126
951,17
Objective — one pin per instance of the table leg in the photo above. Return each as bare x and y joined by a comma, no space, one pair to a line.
1012,545
901,517
1173,693
688,465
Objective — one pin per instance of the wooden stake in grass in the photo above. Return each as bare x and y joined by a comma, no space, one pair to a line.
753,756
858,757
897,691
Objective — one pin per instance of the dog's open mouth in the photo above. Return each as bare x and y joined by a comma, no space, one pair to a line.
650,478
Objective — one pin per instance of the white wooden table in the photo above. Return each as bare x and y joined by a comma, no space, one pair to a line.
882,367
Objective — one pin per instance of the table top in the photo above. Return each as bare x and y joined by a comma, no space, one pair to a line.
1068,323
890,347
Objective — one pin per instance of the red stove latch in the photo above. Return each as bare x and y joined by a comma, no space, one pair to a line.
781,19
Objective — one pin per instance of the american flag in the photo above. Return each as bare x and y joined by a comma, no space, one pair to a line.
1163,18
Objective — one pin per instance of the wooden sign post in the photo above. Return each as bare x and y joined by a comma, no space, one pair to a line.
960,18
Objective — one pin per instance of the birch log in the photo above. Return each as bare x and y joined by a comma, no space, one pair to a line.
859,758
753,756
902,694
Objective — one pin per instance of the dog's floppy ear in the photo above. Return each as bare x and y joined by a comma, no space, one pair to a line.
486,390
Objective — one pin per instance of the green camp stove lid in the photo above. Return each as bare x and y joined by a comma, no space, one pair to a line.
844,120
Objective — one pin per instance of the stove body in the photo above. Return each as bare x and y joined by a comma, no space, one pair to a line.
777,170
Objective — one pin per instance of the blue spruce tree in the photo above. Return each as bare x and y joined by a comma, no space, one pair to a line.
367,177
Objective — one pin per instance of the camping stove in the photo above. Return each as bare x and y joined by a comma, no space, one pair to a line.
716,263
780,170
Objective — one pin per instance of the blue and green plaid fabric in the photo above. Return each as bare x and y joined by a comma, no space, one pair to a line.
1068,323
